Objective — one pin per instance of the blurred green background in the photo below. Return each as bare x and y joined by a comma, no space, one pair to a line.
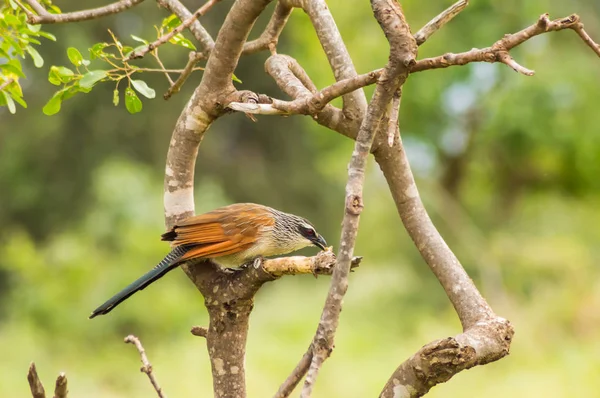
508,166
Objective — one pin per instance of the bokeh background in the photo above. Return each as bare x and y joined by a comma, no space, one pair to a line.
508,166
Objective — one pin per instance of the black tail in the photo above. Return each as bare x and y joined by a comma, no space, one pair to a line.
171,261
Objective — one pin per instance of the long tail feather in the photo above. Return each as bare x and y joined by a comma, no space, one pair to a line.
171,261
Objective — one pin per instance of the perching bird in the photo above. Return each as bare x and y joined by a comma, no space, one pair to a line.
230,236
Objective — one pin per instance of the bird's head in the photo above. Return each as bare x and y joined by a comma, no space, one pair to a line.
295,232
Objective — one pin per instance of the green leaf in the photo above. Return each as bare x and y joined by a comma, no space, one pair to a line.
235,78
34,28
136,38
38,61
171,22
116,97
143,88
59,75
9,102
92,77
180,40
97,50
74,56
15,94
11,19
132,102
11,69
47,35
52,107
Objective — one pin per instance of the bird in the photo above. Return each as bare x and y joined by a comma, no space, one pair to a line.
230,236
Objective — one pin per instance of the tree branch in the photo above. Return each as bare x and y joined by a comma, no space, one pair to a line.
60,388
270,36
355,103
403,50
36,386
44,17
146,366
498,52
194,58
442,19
165,38
203,37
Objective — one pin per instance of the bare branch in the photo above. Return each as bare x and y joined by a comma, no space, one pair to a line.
321,264
438,361
60,389
203,37
44,17
442,19
296,376
498,52
586,38
403,50
36,386
270,36
355,103
165,38
199,331
146,366
194,58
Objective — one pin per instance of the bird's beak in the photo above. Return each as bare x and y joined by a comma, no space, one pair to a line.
320,242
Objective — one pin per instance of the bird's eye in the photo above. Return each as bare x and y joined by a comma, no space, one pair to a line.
309,232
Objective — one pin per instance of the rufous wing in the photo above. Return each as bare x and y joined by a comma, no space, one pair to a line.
221,232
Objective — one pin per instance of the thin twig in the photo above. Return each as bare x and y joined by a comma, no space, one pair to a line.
6,83
586,38
36,386
155,54
498,52
44,17
442,19
296,376
203,37
147,367
165,38
60,389
194,58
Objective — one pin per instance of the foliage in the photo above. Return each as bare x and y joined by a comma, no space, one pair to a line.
17,40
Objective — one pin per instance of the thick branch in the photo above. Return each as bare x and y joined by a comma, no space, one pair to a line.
146,366
44,17
403,50
203,37
355,103
270,36
228,305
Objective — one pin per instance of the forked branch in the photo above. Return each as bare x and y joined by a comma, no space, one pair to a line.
146,366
